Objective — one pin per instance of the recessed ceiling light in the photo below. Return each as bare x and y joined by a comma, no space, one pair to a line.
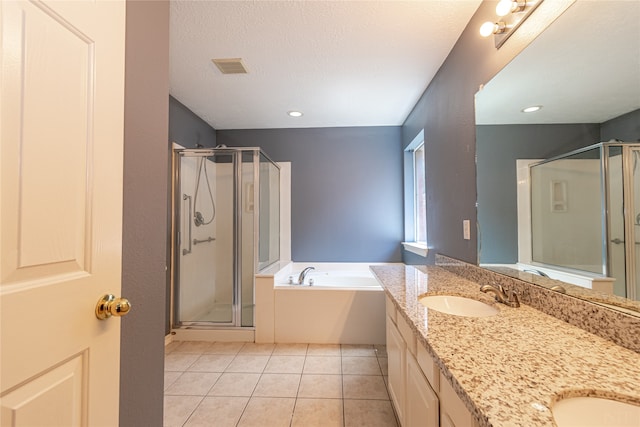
294,113
531,109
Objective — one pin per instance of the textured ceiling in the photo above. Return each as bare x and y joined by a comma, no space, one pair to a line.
342,63
584,68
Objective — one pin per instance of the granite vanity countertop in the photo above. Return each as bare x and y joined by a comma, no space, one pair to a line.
510,368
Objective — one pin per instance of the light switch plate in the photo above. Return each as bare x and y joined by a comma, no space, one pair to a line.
466,229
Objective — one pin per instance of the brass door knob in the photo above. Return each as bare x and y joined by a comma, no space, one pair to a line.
109,305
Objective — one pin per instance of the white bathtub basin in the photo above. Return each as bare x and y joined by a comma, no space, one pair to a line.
595,411
458,306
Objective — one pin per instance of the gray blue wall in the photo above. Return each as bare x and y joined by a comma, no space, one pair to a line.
625,128
186,128
497,148
446,113
144,252
346,189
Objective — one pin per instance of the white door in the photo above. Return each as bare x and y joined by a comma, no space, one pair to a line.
60,210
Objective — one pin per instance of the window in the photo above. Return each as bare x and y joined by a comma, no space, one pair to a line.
415,197
419,196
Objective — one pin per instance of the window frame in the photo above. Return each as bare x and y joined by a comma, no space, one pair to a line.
414,179
419,200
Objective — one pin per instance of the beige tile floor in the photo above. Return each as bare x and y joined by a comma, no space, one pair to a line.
271,385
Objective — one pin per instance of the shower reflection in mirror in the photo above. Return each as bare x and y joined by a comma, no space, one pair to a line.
578,218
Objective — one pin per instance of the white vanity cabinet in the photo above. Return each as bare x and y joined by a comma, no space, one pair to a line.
421,402
453,412
421,396
396,356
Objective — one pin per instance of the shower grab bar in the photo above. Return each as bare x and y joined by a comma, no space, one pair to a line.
207,240
188,251
617,241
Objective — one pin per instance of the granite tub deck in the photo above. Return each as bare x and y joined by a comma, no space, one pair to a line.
510,368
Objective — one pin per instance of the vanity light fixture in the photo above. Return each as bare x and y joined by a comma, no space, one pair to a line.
531,109
294,113
511,13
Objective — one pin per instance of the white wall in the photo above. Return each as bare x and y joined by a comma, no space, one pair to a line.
571,229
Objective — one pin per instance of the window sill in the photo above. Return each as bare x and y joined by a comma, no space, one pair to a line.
416,248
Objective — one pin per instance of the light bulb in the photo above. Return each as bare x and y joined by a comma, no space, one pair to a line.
294,113
505,7
487,29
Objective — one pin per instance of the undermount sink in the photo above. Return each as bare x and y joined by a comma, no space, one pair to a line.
458,306
595,411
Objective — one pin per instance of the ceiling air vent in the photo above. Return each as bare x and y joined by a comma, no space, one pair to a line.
230,65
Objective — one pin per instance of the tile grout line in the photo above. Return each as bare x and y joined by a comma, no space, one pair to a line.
263,370
192,412
252,391
200,402
344,410
295,402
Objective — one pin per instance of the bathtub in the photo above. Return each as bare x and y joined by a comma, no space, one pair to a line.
344,305
332,279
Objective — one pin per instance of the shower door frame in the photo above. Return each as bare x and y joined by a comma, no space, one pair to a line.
629,206
604,206
630,235
177,218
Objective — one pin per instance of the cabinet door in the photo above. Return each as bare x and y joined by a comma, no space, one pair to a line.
421,408
396,351
453,412
445,421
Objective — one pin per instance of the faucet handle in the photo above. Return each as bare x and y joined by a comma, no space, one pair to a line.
513,300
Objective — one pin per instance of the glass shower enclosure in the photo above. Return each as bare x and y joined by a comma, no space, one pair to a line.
585,213
226,227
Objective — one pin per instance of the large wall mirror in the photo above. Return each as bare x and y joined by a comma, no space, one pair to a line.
584,73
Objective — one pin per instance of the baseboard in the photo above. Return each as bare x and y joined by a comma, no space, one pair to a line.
168,339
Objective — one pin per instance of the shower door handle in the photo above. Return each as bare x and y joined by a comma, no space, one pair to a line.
188,251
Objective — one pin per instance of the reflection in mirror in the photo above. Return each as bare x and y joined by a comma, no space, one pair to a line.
567,234
584,71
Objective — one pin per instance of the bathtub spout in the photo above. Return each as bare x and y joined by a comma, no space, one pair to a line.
303,274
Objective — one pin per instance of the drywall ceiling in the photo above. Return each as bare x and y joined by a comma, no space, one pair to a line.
342,63
584,68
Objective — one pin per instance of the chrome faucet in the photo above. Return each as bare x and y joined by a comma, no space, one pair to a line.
303,274
509,297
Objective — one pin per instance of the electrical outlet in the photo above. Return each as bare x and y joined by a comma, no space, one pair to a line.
466,229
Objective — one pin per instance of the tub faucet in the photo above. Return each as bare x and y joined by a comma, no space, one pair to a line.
303,274
508,297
